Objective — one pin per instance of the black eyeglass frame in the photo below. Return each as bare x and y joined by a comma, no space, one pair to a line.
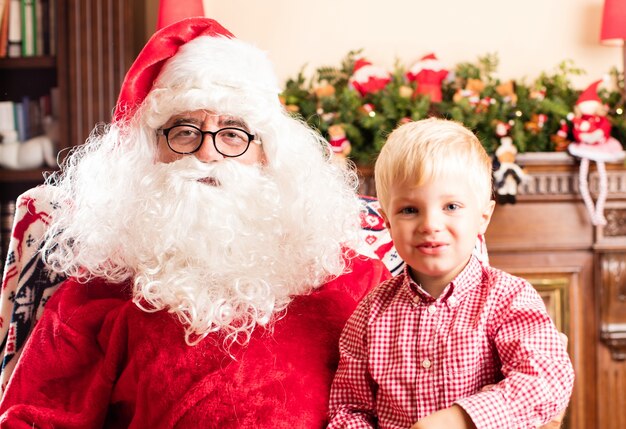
166,131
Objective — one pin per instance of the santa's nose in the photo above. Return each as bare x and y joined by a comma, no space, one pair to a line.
207,151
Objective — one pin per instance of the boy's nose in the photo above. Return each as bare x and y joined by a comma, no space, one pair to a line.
430,222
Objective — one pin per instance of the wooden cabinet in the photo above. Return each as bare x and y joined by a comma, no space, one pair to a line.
580,271
96,42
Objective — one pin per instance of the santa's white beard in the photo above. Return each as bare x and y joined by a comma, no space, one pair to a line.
221,257
216,255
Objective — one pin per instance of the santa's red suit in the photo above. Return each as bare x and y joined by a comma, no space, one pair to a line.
118,366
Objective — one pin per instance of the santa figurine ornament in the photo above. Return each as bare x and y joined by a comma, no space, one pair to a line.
367,78
429,73
339,143
593,142
507,174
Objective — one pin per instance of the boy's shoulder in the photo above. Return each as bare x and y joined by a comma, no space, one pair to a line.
385,292
503,283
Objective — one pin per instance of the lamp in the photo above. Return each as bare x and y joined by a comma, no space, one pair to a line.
613,30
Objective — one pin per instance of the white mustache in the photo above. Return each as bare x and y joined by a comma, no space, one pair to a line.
223,173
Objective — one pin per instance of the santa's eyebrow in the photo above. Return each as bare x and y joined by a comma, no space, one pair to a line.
186,120
230,121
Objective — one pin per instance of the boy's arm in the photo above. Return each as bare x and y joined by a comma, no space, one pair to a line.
538,374
352,392
454,417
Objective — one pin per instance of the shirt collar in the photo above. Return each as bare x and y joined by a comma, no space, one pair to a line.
469,278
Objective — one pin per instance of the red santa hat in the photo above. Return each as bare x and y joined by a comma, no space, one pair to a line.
590,94
196,63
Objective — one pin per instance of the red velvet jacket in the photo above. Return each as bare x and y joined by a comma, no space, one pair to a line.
96,360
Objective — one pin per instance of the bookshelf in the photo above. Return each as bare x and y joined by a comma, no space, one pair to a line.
94,44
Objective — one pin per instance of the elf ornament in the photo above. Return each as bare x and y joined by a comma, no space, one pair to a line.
593,142
429,73
507,174
367,78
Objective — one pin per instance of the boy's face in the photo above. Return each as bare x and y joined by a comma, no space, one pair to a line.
434,227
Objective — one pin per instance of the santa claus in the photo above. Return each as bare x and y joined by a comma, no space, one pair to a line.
429,73
367,78
593,142
206,238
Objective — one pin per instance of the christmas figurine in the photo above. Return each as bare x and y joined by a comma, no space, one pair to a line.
506,90
367,78
471,91
429,73
507,174
339,143
593,142
536,123
559,139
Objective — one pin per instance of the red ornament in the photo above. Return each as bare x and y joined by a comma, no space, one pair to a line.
367,78
367,109
429,73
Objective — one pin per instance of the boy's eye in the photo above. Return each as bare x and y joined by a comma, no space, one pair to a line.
408,210
452,207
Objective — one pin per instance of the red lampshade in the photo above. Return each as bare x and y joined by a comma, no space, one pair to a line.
171,11
613,22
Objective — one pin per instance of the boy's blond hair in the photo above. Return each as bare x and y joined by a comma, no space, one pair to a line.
419,151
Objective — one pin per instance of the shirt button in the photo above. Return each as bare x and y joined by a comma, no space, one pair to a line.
426,363
432,309
452,301
416,299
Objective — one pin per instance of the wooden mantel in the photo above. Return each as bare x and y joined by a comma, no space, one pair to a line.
579,269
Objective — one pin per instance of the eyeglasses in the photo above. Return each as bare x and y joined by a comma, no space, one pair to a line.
187,139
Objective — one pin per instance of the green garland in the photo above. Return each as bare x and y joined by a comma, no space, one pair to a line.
327,99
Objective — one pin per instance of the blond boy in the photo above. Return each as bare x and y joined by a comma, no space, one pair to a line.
420,348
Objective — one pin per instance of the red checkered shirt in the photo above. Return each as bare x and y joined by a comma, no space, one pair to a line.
405,355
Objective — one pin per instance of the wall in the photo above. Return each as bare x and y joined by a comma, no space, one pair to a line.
529,37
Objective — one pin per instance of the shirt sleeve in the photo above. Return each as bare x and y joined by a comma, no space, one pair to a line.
538,374
64,378
352,403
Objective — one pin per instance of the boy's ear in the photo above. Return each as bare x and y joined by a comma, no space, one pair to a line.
486,216
385,219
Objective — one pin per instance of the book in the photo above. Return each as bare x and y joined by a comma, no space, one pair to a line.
21,112
14,48
34,126
7,116
4,27
38,28
52,24
29,28
44,27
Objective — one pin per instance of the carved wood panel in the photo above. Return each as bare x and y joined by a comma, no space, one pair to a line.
100,50
562,282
